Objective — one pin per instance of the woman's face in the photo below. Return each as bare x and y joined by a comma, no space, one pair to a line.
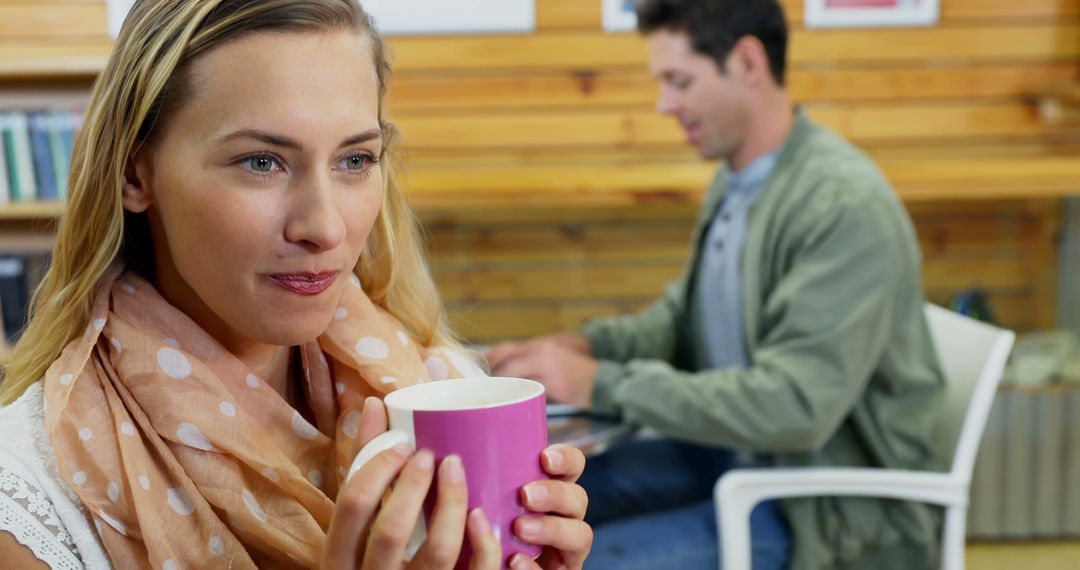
264,185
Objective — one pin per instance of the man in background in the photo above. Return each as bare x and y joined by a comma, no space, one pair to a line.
796,336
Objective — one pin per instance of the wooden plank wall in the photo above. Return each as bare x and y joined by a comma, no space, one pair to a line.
520,137
552,192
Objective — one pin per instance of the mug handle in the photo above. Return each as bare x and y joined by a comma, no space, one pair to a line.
381,443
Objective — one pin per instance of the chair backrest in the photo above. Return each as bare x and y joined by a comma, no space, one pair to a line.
972,356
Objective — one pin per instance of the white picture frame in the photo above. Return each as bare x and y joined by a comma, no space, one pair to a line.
871,13
619,15
117,10
441,17
417,17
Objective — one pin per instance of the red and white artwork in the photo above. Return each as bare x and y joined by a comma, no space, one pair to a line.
870,13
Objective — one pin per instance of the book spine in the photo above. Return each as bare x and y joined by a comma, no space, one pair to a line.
24,157
42,156
5,179
7,134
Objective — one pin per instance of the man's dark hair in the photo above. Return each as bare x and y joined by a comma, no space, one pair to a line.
715,25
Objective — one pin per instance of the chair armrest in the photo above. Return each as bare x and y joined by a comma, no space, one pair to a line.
740,490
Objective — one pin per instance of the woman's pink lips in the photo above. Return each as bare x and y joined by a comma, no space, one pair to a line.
307,284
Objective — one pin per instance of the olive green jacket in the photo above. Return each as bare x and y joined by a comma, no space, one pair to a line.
843,372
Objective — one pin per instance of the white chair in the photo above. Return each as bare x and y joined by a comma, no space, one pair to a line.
972,356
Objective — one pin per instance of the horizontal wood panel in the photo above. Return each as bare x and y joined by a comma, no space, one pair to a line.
568,14
522,284
865,124
598,90
493,322
36,20
595,50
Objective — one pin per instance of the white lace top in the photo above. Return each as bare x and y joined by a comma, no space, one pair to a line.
37,507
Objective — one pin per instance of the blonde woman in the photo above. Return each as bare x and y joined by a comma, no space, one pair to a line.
236,281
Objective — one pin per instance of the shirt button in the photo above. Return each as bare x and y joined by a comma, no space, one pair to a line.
719,245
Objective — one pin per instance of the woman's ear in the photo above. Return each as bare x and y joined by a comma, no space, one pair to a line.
136,191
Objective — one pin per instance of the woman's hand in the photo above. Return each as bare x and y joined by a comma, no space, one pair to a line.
559,527
369,533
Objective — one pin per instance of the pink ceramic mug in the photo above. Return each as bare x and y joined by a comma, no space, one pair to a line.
498,426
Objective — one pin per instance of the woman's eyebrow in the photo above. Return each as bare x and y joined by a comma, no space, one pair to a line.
282,141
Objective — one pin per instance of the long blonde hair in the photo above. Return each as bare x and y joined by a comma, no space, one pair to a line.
144,82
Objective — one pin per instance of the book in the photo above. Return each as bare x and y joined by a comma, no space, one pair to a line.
13,297
55,124
7,137
5,184
41,154
24,159
70,123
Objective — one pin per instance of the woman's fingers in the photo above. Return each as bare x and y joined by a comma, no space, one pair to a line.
357,504
399,514
572,538
557,497
372,420
486,550
563,462
447,526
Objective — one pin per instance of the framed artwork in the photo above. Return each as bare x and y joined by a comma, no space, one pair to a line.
434,17
870,13
414,17
117,11
619,15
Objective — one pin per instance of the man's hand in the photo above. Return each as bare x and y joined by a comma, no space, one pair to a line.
560,362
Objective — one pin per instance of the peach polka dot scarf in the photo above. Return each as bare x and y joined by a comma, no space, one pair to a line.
185,459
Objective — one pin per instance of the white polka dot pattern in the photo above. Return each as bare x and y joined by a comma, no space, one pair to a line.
350,424
192,436
173,364
179,502
217,546
253,506
372,347
302,428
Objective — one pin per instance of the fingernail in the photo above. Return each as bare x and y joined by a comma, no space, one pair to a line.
535,493
519,561
528,527
403,449
452,469
425,459
555,459
479,522
367,404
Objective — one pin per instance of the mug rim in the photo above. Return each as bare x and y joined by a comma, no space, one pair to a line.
536,389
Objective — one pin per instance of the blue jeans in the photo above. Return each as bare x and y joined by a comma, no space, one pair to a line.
651,507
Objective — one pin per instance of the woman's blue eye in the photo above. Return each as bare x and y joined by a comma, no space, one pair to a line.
356,162
262,164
